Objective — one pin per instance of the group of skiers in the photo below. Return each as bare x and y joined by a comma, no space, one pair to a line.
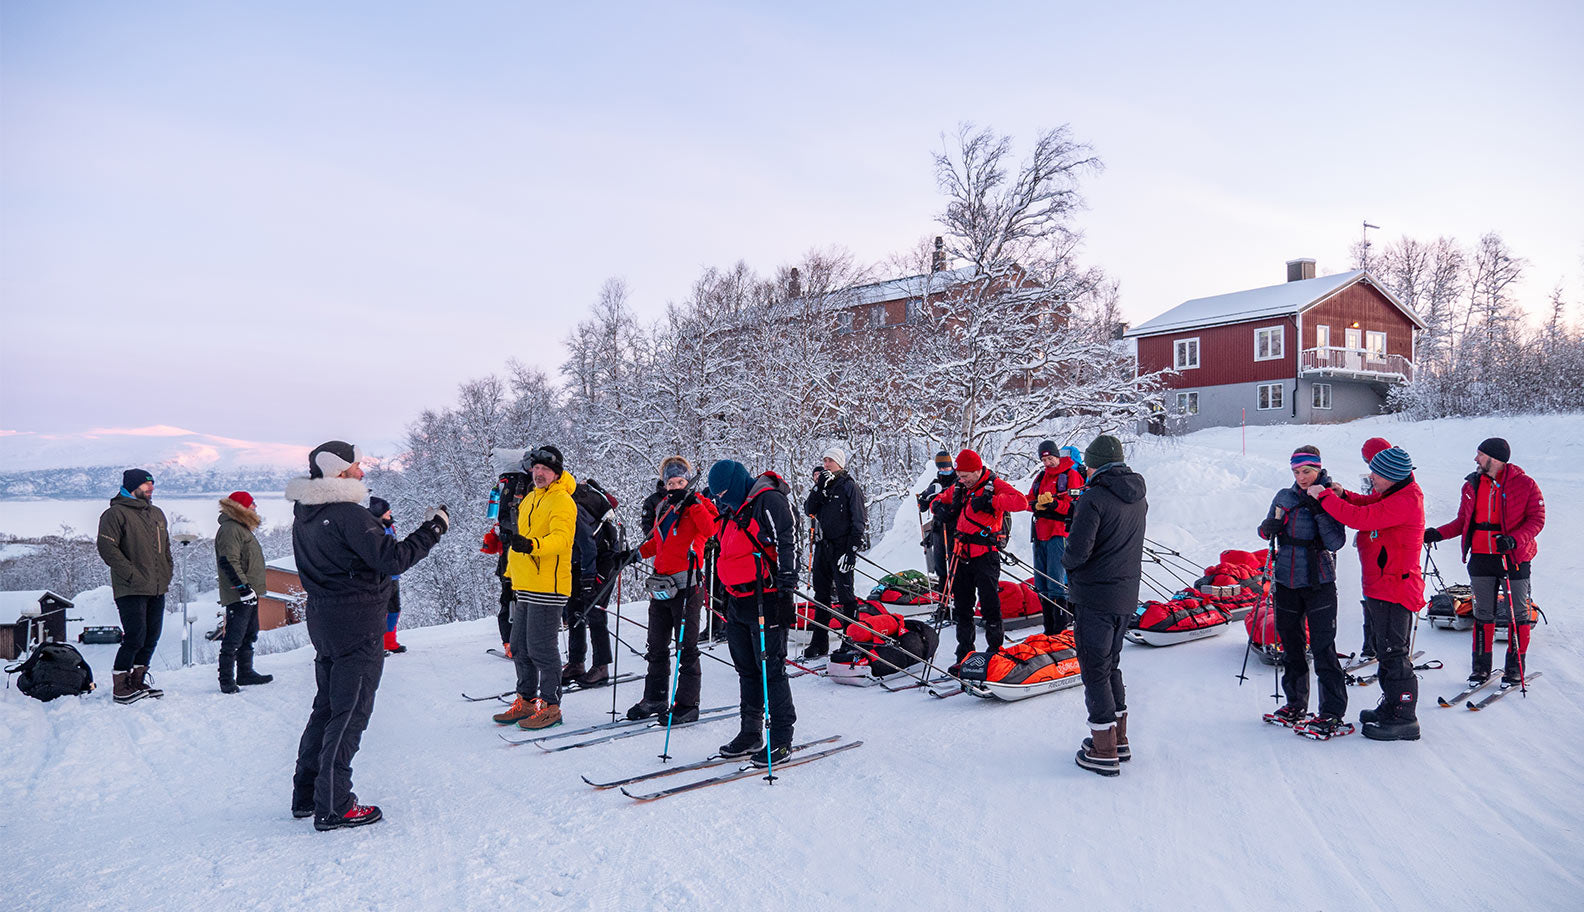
1500,514
732,546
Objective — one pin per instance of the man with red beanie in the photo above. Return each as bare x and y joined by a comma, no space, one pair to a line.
1501,513
1393,517
974,509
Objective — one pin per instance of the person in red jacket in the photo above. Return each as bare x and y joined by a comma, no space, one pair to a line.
1499,517
682,525
1051,498
974,509
1391,524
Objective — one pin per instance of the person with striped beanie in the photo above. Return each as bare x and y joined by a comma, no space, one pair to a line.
1390,522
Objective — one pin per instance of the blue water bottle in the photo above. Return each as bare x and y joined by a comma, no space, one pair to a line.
494,504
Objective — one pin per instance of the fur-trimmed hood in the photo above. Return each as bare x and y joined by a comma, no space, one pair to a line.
247,517
313,491
676,460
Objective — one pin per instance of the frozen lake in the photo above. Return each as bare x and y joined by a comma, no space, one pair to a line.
30,518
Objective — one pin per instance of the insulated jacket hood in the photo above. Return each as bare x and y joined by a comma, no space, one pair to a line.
1126,484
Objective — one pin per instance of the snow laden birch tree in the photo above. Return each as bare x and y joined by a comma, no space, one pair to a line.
1005,347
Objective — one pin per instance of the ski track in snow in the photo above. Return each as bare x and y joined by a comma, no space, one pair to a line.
184,803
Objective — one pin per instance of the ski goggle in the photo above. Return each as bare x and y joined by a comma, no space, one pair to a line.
544,457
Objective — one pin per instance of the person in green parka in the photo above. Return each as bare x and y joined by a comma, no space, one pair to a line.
134,540
239,562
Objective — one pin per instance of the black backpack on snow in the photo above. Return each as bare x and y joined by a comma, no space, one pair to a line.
53,670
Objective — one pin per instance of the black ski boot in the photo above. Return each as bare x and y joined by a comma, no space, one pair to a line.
681,715
1398,722
1510,674
1381,713
645,709
228,684
818,647
245,674
777,756
749,740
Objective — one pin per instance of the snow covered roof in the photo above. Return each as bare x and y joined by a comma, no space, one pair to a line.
906,287
1260,303
23,601
287,563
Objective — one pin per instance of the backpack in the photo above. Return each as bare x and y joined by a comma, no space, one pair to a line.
53,670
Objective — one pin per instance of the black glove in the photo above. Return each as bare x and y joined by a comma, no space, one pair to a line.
1270,528
249,597
923,502
439,518
518,542
845,563
822,477
786,609
982,502
1432,536
1505,543
1007,557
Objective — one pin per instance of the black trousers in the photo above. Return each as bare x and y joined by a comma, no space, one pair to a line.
742,638
241,631
1318,606
503,617
977,577
1393,626
665,617
142,617
1098,636
826,579
342,705
585,622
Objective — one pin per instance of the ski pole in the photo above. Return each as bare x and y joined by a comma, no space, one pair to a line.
665,751
616,663
1021,563
764,679
854,622
1513,640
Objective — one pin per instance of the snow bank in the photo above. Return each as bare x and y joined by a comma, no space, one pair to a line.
949,804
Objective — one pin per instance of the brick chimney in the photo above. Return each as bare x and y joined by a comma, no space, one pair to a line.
795,285
938,258
1298,270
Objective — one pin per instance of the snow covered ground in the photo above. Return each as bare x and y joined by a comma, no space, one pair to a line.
958,803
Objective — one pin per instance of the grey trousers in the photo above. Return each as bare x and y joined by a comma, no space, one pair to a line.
1485,589
536,649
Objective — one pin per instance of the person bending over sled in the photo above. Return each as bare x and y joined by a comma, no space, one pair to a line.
974,509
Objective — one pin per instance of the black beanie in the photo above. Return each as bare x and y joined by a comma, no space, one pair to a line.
132,479
1048,447
1103,451
1494,447
379,506
331,458
547,456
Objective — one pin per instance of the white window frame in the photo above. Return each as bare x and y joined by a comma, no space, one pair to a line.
1320,397
915,309
1322,336
1179,347
1188,402
1276,348
1353,339
1273,394
1370,338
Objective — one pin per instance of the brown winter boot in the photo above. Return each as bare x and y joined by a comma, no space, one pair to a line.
1099,754
545,715
570,672
138,682
1124,753
121,688
520,709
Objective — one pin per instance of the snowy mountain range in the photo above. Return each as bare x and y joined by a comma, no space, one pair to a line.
88,464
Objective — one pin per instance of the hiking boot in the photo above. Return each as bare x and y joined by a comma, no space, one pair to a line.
749,740
246,676
816,650
595,677
1124,753
1288,715
357,815
681,715
520,709
301,811
1099,754
228,684
545,715
391,646
1393,729
645,709
570,672
955,668
139,681
776,757
1511,677
121,688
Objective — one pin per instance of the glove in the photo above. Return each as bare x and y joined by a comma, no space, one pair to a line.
1505,543
982,502
821,477
923,502
249,597
786,609
439,513
492,542
844,564
1270,528
1007,557
1434,535
712,548
1044,499
518,542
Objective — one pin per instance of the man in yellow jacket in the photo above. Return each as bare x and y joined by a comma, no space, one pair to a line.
539,565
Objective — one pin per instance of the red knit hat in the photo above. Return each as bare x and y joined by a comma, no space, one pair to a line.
241,497
1375,445
969,461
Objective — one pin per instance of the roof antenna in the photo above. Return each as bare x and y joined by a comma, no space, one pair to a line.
1364,245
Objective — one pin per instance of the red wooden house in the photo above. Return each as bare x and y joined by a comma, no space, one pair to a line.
1310,350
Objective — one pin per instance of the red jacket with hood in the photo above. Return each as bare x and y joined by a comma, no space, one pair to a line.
676,541
1061,482
1391,534
976,531
1519,509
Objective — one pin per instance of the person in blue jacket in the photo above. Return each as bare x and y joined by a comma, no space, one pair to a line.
382,512
1305,592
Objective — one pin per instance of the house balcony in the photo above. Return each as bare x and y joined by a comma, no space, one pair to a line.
1354,364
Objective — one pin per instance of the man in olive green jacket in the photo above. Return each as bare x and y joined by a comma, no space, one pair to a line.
135,542
239,563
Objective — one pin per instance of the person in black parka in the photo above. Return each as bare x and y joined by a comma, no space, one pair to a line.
836,503
1307,538
345,561
1104,561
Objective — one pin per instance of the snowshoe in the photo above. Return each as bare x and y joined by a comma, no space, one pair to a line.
1288,716
357,815
1323,728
